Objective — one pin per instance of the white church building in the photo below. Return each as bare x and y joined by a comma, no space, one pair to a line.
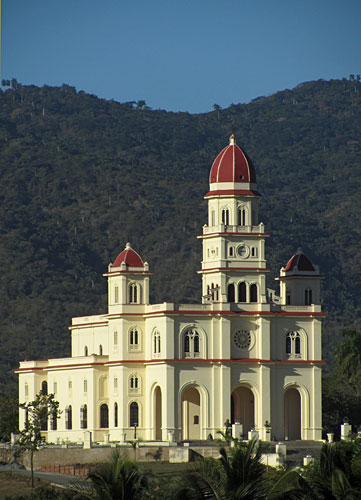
179,371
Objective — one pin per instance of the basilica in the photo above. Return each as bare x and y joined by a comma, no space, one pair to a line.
173,372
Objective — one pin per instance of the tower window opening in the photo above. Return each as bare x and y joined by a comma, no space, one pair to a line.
241,216
133,338
26,390
156,342
225,216
115,338
213,218
116,294
86,350
242,292
230,294
44,388
133,293
293,345
253,252
231,251
100,350
85,386
253,292
288,298
308,297
191,343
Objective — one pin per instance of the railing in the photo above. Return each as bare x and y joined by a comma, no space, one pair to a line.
222,228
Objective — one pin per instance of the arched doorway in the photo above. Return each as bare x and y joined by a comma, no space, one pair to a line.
292,414
104,416
242,408
191,413
158,414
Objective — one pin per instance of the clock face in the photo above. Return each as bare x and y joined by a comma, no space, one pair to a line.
242,339
243,251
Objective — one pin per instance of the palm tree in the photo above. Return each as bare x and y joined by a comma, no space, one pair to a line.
118,479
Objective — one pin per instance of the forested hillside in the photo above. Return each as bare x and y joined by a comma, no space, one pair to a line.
80,176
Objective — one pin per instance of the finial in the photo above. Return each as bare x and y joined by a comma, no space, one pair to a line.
128,246
232,140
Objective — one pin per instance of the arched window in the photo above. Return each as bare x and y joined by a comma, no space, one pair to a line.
308,296
230,251
186,344
191,343
83,417
68,417
134,294
196,343
242,292
115,414
156,342
133,414
225,216
133,338
101,350
134,383
116,294
241,216
293,345
253,294
230,294
44,388
43,414
115,338
104,416
53,422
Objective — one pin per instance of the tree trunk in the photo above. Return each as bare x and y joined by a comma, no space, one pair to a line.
32,468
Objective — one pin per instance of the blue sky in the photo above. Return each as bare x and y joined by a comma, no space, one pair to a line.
180,55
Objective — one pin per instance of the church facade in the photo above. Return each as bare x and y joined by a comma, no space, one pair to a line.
179,371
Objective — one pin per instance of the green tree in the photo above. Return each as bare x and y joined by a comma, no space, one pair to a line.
348,358
9,417
37,413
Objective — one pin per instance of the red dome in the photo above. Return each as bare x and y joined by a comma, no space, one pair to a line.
129,256
300,261
232,165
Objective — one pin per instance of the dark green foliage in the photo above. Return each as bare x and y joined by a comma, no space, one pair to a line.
80,176
118,479
9,417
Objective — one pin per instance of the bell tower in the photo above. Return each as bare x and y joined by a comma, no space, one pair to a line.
234,263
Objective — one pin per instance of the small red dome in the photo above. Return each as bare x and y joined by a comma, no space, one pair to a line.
300,261
129,256
232,165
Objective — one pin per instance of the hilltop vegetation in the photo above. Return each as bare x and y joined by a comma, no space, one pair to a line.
80,176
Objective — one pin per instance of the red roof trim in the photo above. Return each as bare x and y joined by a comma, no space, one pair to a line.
227,192
298,276
172,360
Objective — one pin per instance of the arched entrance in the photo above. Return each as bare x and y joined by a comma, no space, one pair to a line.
191,413
242,408
292,414
158,414
104,416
